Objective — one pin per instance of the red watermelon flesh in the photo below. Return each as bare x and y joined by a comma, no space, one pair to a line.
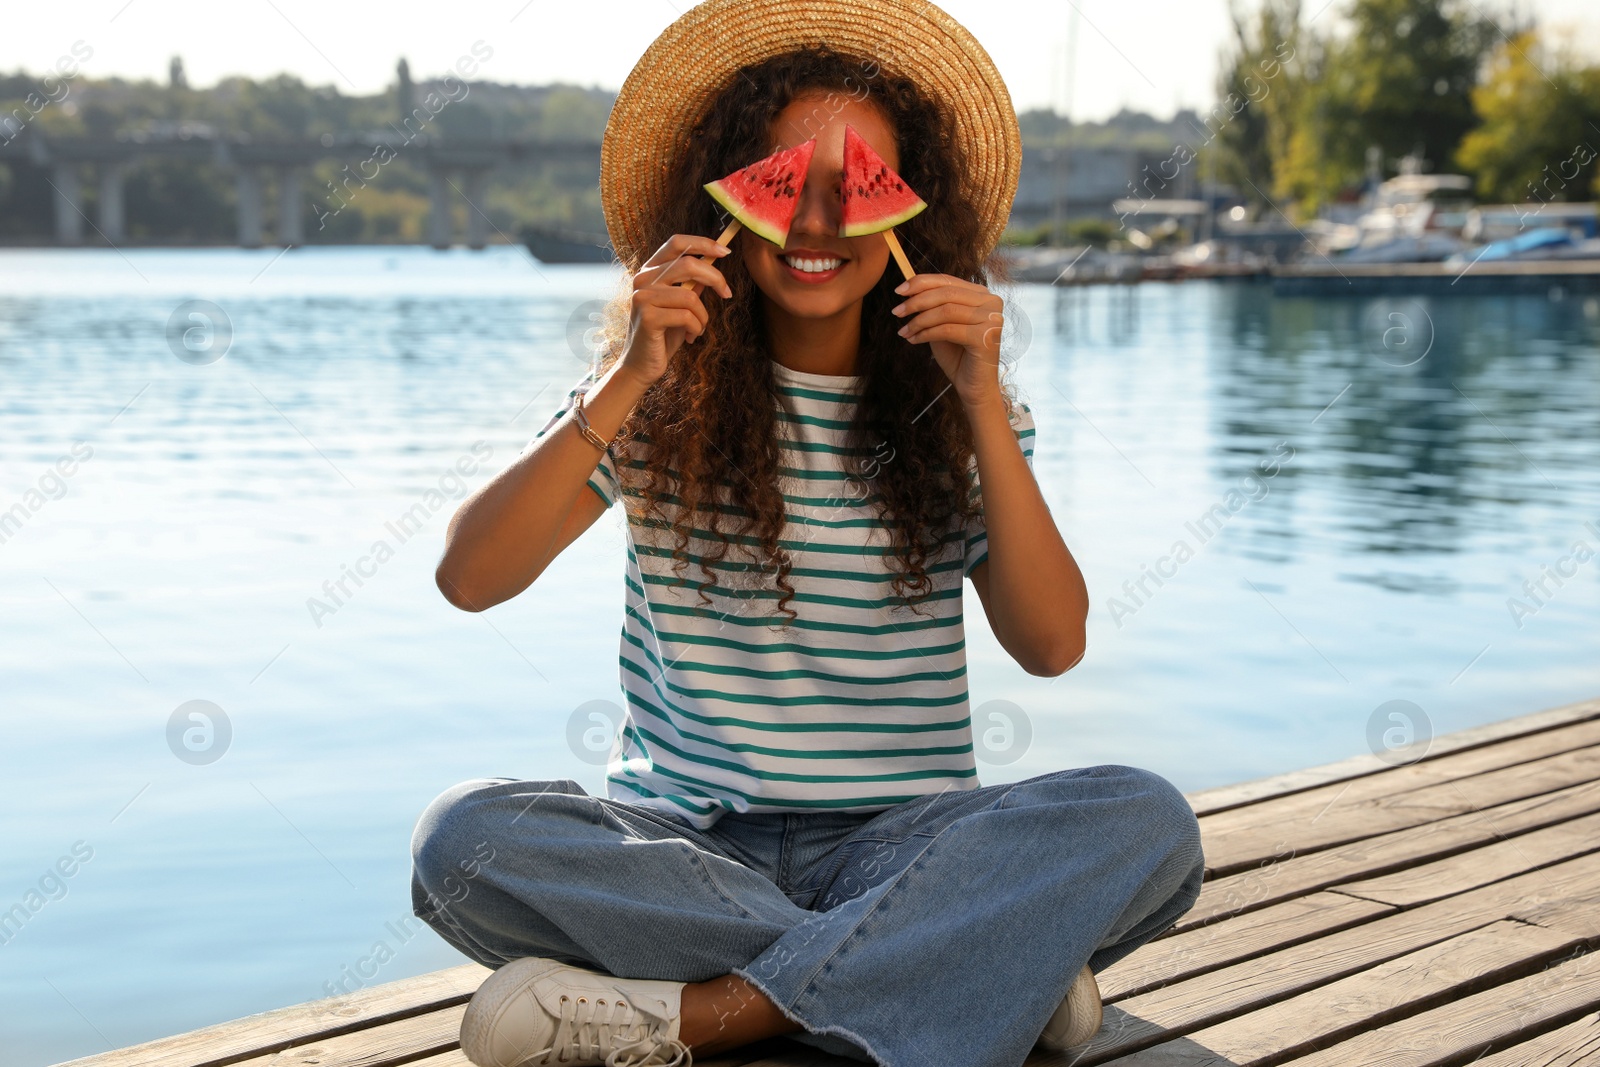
764,195
875,198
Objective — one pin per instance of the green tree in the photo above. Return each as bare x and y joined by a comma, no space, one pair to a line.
572,113
1262,74
1400,79
1540,135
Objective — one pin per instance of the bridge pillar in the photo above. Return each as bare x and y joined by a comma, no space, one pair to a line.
477,181
440,226
69,204
112,220
249,209
291,216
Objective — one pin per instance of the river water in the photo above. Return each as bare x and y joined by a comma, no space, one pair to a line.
1291,514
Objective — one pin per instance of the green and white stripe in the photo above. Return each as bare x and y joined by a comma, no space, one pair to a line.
857,705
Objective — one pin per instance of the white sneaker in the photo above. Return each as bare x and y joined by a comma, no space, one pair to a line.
538,1011
1078,1018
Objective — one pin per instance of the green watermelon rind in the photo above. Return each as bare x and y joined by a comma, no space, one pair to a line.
888,222
760,227
860,158
724,194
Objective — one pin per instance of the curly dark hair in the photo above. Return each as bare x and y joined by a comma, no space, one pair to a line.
709,422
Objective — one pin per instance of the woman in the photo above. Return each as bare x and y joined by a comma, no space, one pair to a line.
795,840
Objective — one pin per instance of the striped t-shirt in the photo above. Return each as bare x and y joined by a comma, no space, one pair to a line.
858,705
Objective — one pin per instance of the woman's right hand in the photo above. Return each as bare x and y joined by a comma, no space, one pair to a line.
665,312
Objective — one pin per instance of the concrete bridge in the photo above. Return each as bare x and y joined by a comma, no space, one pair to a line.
456,168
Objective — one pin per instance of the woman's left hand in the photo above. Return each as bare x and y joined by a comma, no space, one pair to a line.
961,320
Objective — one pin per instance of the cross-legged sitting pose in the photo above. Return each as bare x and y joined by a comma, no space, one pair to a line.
814,456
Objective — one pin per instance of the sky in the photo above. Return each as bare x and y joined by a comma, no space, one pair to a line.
1154,55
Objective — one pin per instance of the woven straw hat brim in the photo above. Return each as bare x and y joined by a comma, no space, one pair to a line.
694,59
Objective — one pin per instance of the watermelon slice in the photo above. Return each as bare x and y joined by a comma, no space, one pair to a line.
764,195
875,197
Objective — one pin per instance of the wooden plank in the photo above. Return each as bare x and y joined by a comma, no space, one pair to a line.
435,1037
271,1031
1578,915
1468,870
1174,959
1573,1045
1402,986
1271,882
1454,1032
736,1058
1421,774
454,1058
770,1050
800,1056
1224,798
390,1043
1183,1007
1313,821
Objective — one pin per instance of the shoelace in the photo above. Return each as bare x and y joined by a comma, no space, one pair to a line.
587,1026
649,1050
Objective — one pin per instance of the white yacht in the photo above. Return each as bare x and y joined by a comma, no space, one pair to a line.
1413,218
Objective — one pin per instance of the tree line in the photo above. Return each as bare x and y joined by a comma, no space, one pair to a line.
1442,83
1311,107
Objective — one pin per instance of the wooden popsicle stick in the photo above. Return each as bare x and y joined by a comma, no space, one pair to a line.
899,253
723,239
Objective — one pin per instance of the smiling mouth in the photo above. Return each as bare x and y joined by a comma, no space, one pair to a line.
812,268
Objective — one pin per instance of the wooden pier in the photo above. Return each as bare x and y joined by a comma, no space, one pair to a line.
1430,914
1325,277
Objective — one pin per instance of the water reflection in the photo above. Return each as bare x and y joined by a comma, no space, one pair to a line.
1433,419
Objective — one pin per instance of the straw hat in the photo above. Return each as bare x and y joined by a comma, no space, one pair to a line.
676,79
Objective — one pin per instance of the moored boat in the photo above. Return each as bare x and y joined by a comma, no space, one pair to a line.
551,244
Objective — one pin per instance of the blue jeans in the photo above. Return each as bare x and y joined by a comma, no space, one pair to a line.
942,932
